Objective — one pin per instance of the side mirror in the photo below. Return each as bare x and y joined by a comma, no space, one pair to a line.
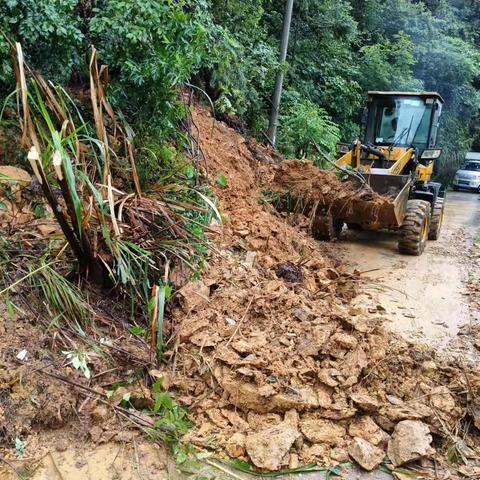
342,148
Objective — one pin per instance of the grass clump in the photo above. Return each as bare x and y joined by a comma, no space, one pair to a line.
128,214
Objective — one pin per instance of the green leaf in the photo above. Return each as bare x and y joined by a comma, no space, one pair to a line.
136,330
19,447
163,400
310,467
222,181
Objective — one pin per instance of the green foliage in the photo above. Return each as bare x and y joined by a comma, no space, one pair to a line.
171,418
19,447
305,125
339,49
136,330
51,35
246,467
64,299
222,181
388,65
79,360
238,71
151,47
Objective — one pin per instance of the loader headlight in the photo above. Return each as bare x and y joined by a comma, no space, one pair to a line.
431,154
343,148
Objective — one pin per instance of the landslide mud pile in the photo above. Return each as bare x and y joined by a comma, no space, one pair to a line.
311,189
274,364
305,180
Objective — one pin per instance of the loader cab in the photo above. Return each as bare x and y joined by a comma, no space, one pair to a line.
403,119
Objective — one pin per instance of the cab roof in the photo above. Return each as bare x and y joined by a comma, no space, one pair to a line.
376,93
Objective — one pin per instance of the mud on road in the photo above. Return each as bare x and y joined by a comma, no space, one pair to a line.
425,298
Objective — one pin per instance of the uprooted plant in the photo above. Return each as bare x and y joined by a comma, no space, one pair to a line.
83,158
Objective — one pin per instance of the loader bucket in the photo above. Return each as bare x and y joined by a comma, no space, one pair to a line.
386,213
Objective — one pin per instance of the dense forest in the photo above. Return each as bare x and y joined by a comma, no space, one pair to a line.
228,49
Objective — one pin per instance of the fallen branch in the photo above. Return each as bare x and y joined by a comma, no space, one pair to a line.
350,173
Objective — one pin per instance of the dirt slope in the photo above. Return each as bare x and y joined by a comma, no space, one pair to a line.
275,365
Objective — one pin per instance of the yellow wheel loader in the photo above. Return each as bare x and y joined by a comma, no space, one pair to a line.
397,160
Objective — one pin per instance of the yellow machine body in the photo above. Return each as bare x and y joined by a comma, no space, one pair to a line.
397,158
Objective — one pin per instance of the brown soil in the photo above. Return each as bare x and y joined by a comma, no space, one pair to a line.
312,190
305,180
260,350
45,412
59,456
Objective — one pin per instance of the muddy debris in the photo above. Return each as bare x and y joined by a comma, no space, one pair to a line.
305,188
290,272
286,351
275,365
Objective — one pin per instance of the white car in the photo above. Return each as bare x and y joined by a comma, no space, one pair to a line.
468,176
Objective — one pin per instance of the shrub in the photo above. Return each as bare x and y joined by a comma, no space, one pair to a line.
50,33
151,47
305,125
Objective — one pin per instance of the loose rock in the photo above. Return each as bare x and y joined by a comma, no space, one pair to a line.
410,441
366,428
235,445
365,454
268,448
322,431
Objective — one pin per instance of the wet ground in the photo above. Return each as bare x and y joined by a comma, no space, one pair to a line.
424,297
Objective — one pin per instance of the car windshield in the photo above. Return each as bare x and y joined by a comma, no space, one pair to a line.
472,166
402,121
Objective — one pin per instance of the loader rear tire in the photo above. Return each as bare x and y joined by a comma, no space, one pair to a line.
436,220
415,228
326,228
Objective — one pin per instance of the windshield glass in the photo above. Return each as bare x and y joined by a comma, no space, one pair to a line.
402,121
472,166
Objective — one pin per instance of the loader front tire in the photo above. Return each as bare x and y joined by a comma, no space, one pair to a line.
436,220
326,228
415,228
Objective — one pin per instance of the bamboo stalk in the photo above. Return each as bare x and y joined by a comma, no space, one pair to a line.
95,270
62,221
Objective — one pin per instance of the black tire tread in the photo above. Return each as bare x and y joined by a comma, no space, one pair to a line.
411,241
436,221
325,227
